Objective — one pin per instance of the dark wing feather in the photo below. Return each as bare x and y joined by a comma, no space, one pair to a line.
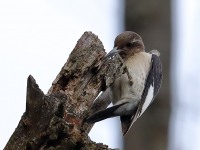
104,114
125,122
154,79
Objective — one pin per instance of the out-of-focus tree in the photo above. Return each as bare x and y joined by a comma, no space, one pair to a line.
184,130
151,19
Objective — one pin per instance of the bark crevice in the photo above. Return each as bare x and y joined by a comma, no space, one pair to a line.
55,120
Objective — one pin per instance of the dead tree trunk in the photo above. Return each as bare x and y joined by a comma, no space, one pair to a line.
56,120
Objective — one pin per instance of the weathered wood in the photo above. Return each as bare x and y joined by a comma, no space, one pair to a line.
56,120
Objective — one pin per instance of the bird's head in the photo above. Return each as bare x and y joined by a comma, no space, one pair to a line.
126,44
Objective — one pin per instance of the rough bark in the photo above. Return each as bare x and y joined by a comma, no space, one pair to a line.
56,120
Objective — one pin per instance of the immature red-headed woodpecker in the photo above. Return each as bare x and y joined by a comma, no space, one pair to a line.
145,69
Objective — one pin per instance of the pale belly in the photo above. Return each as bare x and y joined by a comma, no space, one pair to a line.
122,91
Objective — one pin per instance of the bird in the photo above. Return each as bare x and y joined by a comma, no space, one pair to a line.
145,70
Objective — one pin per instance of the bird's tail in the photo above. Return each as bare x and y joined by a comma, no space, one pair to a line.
103,114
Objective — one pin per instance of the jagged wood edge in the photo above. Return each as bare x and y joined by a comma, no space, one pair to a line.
51,120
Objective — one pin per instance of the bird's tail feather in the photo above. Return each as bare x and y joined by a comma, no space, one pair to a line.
126,123
103,114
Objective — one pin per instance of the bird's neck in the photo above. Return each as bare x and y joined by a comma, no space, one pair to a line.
126,55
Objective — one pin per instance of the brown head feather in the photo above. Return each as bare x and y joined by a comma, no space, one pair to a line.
129,42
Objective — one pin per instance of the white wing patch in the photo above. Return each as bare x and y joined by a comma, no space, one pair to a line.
148,99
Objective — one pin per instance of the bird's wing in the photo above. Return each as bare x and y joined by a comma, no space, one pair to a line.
104,114
152,86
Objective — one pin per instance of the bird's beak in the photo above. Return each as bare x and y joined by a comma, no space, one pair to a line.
113,51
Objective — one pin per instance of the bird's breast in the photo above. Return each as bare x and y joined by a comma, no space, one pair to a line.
138,67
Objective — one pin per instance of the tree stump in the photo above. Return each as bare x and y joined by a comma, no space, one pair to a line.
55,121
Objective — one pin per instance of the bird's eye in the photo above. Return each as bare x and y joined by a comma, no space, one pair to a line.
129,44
